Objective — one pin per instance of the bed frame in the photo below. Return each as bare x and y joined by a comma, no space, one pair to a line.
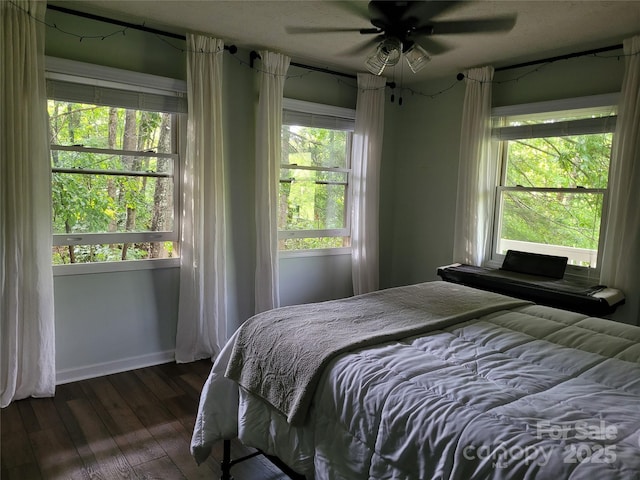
227,463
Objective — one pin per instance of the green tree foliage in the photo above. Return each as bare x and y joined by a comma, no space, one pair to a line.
101,197
557,217
312,193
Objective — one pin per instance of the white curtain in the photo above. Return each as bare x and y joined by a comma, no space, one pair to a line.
476,172
27,336
268,151
202,311
621,254
365,182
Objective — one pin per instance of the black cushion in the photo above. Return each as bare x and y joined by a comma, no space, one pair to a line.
534,264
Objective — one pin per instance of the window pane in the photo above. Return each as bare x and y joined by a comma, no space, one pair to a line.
109,127
559,162
314,147
310,243
97,203
313,195
553,223
554,213
312,200
65,254
110,192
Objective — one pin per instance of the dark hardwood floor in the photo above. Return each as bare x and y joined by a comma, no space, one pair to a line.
131,425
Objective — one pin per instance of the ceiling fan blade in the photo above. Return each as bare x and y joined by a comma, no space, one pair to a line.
378,10
490,25
362,47
390,12
367,31
386,13
432,46
298,30
426,10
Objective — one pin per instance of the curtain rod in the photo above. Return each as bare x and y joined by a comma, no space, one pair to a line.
143,28
253,56
323,70
561,57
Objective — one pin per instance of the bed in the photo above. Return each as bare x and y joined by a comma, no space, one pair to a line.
430,381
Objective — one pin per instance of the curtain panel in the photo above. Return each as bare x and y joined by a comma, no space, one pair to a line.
202,308
365,183
27,336
476,172
621,253
268,153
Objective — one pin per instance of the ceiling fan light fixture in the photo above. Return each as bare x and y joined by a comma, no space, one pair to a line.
375,65
417,57
388,52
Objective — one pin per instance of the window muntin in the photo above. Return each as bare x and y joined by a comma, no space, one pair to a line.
113,183
554,183
314,188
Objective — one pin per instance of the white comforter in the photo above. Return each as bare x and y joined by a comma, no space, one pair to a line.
522,393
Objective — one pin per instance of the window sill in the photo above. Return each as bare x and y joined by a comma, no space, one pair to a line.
108,267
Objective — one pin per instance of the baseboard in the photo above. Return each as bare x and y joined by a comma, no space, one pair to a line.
116,366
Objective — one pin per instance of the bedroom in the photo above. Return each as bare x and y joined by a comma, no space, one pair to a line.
112,321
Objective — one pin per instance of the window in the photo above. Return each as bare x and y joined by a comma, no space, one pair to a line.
554,179
115,164
313,210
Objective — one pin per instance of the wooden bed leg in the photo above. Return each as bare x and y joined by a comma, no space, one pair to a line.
225,465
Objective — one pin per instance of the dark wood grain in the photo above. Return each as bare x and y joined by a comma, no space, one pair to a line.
132,425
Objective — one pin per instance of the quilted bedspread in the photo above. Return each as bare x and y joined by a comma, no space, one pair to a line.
527,392
280,354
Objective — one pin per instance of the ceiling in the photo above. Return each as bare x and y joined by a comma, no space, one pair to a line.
543,29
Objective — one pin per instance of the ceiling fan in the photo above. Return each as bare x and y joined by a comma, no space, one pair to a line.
407,28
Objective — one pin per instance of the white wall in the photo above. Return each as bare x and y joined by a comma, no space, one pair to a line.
114,321
420,168
314,279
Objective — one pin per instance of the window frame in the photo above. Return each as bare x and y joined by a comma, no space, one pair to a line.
149,88
501,135
317,115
